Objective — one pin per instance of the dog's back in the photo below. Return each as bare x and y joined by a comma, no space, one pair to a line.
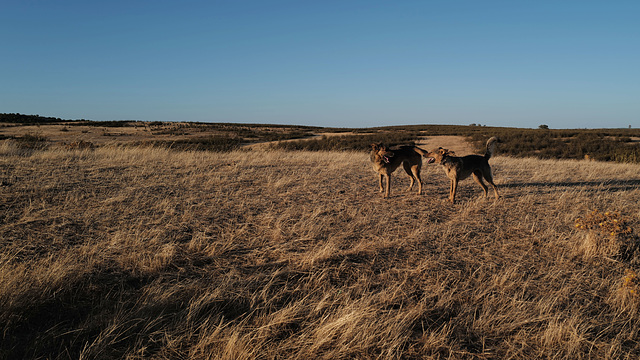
460,168
470,163
466,165
386,160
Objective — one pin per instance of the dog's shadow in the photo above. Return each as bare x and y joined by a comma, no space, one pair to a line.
608,185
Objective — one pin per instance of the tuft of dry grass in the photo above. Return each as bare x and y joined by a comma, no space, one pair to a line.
149,253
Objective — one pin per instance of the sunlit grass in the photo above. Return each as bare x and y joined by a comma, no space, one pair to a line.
151,253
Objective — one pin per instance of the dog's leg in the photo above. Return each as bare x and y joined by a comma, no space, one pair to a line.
388,189
380,183
416,173
454,188
477,176
495,190
487,175
408,169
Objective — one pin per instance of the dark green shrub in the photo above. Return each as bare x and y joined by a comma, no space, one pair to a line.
348,142
211,143
32,141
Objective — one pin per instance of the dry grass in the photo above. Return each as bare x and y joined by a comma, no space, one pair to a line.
149,253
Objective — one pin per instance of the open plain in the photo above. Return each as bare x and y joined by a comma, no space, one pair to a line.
137,253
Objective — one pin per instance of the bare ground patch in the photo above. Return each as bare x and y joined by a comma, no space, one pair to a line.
459,144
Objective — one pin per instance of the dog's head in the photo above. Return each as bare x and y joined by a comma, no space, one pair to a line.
438,155
381,151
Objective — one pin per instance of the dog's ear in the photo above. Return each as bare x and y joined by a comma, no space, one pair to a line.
452,153
442,151
376,146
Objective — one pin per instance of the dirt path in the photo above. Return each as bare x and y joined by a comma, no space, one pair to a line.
459,144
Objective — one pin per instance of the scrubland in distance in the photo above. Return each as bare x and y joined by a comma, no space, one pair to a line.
34,131
151,253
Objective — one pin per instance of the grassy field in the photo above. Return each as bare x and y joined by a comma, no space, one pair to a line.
138,253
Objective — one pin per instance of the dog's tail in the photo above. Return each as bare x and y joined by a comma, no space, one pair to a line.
422,152
491,147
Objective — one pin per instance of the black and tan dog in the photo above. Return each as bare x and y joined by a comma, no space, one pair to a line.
459,168
386,160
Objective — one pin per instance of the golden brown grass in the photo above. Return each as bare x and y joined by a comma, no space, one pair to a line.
148,253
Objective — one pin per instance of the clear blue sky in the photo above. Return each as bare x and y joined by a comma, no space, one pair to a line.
567,64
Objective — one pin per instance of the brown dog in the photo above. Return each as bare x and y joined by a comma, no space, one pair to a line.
386,160
459,168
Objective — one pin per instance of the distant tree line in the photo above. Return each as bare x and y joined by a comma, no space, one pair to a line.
18,118
28,119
